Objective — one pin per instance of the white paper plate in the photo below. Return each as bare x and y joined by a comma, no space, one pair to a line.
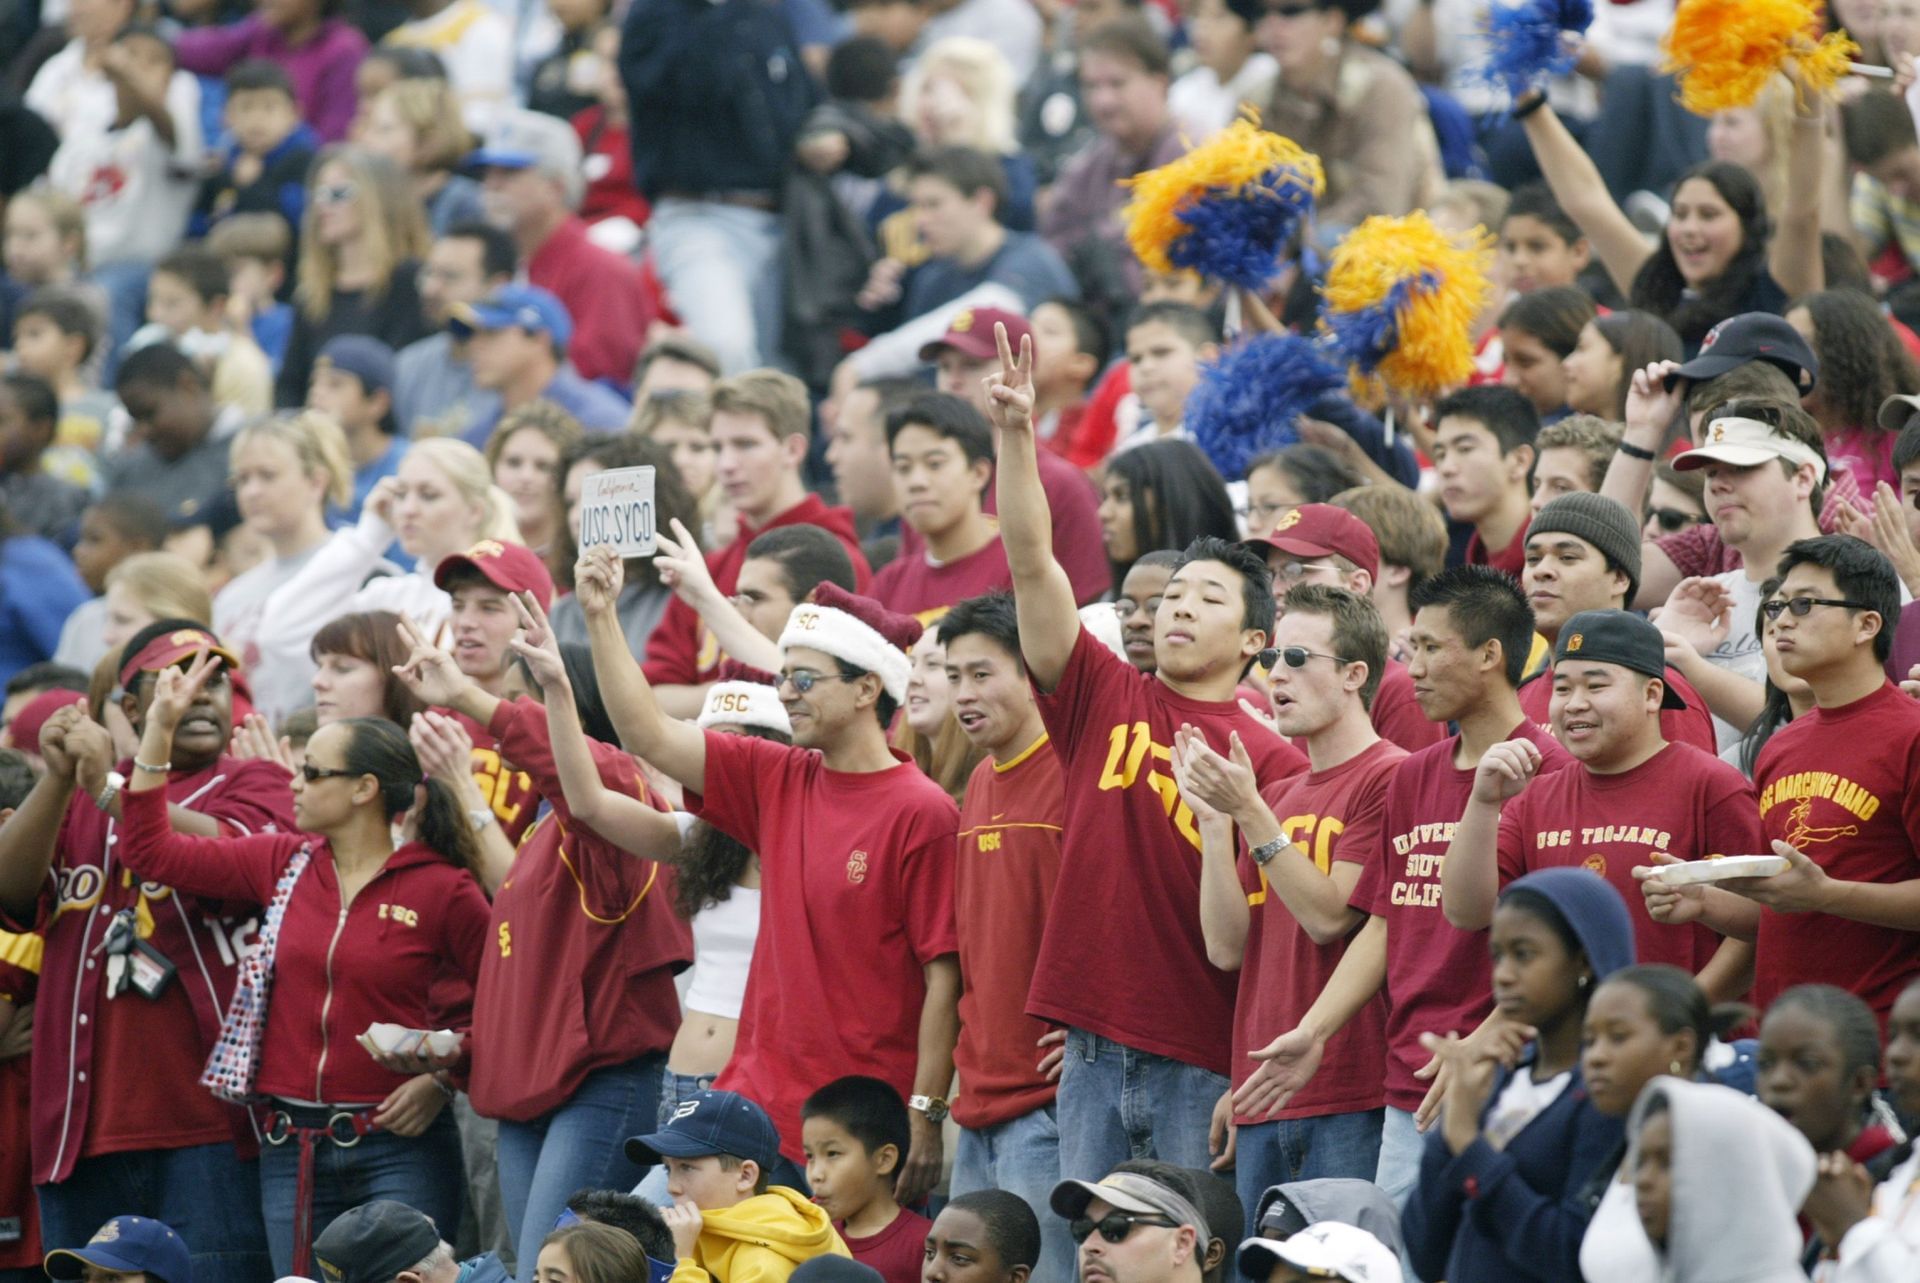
1727,866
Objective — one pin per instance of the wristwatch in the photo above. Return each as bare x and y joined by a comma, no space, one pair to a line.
1267,850
110,790
932,1106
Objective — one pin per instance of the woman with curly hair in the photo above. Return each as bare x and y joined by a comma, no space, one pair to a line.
1862,363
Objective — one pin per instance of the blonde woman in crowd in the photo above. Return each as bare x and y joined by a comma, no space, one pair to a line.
416,125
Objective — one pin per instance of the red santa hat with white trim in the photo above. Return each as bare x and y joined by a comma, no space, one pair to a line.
856,630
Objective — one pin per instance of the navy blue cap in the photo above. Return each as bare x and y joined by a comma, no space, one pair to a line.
713,1122
365,358
1752,336
127,1245
527,307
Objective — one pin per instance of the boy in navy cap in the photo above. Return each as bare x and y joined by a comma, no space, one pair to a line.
132,1247
517,343
727,1220
352,383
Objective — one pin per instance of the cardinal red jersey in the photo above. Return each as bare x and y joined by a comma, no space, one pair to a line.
1843,786
1438,976
914,585
1679,802
1130,857
856,898
1003,880
1331,816
509,791
1690,725
681,650
20,1247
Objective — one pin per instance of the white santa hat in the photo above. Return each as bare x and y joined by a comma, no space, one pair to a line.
858,631
744,704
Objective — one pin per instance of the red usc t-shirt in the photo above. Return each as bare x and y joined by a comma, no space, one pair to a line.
856,897
509,791
1680,802
915,586
1003,881
1332,815
1843,785
1122,955
1438,977
1690,725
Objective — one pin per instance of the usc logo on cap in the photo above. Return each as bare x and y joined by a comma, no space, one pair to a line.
1718,432
487,548
1287,522
732,702
1573,643
111,1230
806,620
962,322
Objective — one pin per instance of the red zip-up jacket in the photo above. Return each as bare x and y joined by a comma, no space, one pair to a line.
87,885
335,970
578,969
681,650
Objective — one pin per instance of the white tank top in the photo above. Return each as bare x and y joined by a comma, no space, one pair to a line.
723,936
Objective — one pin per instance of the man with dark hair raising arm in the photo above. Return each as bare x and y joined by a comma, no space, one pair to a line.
1123,965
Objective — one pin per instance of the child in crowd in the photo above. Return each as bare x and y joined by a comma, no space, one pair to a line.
1539,246
1070,347
264,166
1166,342
54,336
188,305
855,1134
353,384
729,1220
613,202
1537,332
991,1235
38,502
257,249
111,530
45,243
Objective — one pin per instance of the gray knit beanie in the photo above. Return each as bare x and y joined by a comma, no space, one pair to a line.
1605,523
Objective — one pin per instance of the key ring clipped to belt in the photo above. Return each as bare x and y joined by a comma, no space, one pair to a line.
344,1128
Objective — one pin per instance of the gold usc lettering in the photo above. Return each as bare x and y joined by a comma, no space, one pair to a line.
506,940
1313,836
399,913
989,841
1127,748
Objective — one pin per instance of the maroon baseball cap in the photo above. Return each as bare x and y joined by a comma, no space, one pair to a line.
970,333
1322,530
510,567
23,732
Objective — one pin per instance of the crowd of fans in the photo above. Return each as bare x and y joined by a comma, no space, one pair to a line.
988,841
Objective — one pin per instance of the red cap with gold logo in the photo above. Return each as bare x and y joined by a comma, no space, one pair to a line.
168,649
510,567
1322,530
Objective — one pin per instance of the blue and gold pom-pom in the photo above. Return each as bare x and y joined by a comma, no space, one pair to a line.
1249,398
1529,41
1400,300
1227,208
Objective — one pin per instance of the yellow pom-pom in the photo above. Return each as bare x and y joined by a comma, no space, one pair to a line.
1434,284
1234,160
1725,51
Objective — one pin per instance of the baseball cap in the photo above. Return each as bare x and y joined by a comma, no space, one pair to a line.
533,140
510,567
1322,530
168,649
128,1245
1128,1192
1747,443
1618,637
712,1122
527,307
1752,336
23,732
1323,1250
970,333
373,1242
1898,410
365,358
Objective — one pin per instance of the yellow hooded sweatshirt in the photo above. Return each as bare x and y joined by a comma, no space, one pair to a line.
759,1240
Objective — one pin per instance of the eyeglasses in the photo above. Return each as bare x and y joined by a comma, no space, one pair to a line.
1673,519
314,774
1288,572
1801,605
804,681
334,193
1114,1226
1295,657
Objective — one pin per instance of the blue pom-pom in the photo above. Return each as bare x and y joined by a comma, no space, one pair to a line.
1526,42
1367,337
1248,398
1236,235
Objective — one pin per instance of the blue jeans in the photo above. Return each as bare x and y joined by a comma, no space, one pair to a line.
425,1172
1021,1155
1401,1145
579,1145
721,266
1303,1149
206,1192
674,1088
1117,1103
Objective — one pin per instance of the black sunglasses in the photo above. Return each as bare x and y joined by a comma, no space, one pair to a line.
1114,1226
1801,605
1674,519
1294,656
314,774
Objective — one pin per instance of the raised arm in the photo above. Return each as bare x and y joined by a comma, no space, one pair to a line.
674,746
1583,194
30,834
1793,256
626,821
1042,593
1470,874
684,570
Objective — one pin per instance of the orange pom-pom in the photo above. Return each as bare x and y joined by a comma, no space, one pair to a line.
1725,51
